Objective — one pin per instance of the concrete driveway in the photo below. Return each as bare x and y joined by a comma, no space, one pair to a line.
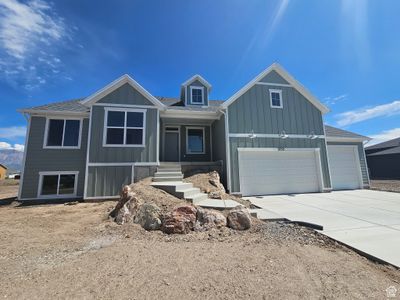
363,219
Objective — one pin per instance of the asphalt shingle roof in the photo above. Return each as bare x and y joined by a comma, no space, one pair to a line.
73,105
393,150
336,132
387,144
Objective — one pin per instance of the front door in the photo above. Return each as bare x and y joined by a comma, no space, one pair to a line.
171,147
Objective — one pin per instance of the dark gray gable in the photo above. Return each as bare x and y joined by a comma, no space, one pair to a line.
274,77
126,94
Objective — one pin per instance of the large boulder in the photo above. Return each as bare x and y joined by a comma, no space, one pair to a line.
208,219
148,216
216,181
127,206
181,220
239,218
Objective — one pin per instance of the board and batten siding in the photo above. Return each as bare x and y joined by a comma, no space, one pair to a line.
197,83
219,144
107,180
125,94
252,112
39,159
361,155
100,154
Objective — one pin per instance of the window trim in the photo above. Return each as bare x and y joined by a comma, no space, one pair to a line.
193,87
46,133
280,96
126,110
58,196
187,140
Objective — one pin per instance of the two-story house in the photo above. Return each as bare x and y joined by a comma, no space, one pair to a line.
268,138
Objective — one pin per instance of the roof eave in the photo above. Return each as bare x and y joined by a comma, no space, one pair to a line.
36,112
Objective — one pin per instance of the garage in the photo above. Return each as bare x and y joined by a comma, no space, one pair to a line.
269,171
345,167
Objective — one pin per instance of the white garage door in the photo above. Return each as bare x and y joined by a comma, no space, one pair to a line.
263,172
345,167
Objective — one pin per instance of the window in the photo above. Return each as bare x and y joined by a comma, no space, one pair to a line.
62,133
195,140
124,128
196,94
276,98
58,184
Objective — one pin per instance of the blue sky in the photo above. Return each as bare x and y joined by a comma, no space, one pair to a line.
345,52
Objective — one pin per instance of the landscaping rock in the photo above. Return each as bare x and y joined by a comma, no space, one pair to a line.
239,218
181,220
208,219
127,206
215,180
148,216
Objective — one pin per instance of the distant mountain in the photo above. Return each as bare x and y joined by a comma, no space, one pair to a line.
12,159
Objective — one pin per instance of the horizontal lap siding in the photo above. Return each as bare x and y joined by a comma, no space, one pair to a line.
40,160
107,180
236,143
98,153
361,154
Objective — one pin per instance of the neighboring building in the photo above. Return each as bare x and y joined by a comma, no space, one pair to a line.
268,138
3,172
384,160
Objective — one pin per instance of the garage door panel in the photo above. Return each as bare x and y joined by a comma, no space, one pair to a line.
265,172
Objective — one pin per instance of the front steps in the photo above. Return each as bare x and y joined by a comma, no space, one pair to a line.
169,178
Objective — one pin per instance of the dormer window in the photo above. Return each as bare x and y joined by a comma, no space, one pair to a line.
196,95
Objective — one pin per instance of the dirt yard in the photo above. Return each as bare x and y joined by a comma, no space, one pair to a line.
74,251
386,185
8,188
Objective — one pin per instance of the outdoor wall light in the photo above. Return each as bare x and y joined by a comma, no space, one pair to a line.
312,135
252,135
283,135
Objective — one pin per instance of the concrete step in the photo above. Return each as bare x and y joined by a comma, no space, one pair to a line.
169,169
197,198
169,178
185,193
171,187
218,203
167,174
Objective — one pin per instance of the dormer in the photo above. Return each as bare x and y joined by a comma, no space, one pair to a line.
195,90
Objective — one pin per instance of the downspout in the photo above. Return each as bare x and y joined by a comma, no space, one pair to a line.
227,149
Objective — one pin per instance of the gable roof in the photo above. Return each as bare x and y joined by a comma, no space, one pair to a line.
393,150
388,144
199,78
3,166
333,132
118,83
285,75
69,106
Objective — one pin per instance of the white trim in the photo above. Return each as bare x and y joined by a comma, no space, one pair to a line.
187,114
187,140
57,196
179,138
267,135
158,137
285,75
28,130
118,83
227,151
199,78
366,166
125,128
122,164
87,155
45,113
46,133
274,84
280,98
125,105
346,139
327,156
211,143
315,150
201,88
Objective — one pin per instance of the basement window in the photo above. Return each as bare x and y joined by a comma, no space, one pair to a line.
58,184
124,128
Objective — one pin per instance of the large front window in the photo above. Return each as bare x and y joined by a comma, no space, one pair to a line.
124,128
58,184
195,140
62,133
197,95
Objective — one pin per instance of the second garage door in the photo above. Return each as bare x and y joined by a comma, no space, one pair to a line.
263,172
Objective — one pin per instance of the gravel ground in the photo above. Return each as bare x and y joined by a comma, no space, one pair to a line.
75,251
8,188
386,185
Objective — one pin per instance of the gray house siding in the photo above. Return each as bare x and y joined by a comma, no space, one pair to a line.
98,153
197,83
125,94
252,112
41,160
219,144
361,154
107,180
236,143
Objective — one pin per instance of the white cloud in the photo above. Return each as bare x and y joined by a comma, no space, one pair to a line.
12,132
7,146
334,100
384,136
26,28
359,115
